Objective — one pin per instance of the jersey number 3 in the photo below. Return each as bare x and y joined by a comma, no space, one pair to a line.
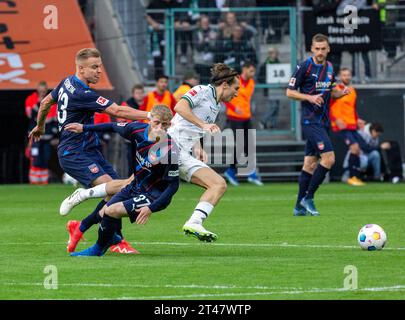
62,112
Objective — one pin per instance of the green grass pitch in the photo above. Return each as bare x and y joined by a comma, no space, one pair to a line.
263,252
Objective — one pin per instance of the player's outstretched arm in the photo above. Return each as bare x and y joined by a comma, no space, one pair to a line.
101,127
183,108
43,111
296,95
126,112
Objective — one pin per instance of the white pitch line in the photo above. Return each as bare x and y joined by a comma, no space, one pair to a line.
286,292
217,244
167,286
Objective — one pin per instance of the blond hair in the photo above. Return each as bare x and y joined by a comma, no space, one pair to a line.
162,112
87,53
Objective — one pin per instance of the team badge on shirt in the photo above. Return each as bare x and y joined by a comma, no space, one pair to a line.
321,145
102,101
93,168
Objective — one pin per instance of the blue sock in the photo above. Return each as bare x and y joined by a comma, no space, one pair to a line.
92,218
354,165
303,181
108,227
317,179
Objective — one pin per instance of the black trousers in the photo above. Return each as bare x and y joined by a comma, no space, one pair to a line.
245,126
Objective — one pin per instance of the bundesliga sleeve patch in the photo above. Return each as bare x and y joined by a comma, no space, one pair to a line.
292,82
102,101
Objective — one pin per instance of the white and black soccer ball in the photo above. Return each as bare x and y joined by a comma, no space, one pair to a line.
372,237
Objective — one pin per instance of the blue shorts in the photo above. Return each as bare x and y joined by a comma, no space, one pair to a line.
318,140
350,137
86,167
132,199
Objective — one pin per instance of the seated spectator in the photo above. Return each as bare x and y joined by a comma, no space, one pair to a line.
205,38
374,154
228,25
389,151
235,51
230,22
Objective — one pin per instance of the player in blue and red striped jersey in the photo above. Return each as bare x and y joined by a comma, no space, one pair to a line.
313,83
156,175
79,154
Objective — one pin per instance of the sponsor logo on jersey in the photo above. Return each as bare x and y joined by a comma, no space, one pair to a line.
193,92
142,161
93,168
174,173
102,101
323,85
122,124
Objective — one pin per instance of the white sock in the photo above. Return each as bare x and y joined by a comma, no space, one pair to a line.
95,192
201,212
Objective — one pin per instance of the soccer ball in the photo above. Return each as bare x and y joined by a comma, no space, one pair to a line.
69,180
372,237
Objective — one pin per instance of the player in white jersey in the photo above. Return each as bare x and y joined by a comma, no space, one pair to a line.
196,113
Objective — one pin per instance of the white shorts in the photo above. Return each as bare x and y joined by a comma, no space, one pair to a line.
188,165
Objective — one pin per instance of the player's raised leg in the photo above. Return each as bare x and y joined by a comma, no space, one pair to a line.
215,187
76,229
100,190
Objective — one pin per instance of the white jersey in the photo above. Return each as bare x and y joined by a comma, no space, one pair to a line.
204,105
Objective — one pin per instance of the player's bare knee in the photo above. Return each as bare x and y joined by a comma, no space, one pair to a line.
310,166
328,161
219,186
112,211
222,186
